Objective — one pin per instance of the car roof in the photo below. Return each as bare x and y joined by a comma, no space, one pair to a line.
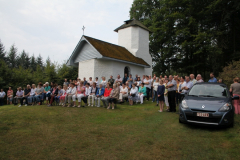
212,83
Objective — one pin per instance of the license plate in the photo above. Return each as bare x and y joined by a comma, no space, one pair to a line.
202,114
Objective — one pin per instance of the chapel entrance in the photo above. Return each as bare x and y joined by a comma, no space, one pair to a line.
126,71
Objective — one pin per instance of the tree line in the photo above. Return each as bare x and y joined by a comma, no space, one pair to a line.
20,69
190,36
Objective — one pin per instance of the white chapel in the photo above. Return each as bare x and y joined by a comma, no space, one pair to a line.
96,58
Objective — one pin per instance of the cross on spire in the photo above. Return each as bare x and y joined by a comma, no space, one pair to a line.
83,29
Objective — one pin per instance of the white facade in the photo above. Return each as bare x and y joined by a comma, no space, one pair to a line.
86,69
136,40
99,67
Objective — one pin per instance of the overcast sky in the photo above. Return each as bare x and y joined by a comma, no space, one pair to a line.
54,27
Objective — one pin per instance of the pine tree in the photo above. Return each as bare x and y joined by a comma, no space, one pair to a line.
40,60
33,63
27,61
2,51
12,57
22,59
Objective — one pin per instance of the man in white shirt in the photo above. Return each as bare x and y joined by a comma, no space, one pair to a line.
147,84
118,79
2,95
172,87
187,85
193,80
87,93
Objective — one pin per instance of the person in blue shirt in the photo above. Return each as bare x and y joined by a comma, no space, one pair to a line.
99,94
213,79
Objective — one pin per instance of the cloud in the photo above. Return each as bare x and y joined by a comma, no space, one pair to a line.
53,28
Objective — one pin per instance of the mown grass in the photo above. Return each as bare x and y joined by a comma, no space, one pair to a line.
128,132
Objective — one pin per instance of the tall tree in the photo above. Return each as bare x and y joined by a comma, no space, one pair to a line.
190,36
12,57
40,60
2,51
50,71
22,59
33,63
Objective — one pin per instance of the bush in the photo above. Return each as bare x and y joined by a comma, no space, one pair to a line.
231,71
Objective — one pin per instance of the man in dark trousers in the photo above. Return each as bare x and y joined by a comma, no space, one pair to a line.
172,87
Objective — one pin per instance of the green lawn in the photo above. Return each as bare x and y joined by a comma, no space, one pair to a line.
128,132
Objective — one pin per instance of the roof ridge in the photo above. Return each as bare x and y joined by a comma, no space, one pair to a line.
104,41
132,22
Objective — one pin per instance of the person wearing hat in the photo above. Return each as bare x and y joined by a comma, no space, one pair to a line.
142,92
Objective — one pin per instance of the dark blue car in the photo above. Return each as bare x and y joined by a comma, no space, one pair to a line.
207,104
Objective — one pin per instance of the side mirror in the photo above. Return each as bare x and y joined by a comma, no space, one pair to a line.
235,97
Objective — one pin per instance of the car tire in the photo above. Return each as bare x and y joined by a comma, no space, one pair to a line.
180,121
231,125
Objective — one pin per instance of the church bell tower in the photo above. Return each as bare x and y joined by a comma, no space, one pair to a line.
134,36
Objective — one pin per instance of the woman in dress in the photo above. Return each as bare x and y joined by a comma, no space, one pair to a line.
133,95
235,89
160,93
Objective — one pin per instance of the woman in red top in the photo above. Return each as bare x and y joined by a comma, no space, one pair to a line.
80,93
106,95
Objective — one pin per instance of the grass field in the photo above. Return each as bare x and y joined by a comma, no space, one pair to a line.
128,132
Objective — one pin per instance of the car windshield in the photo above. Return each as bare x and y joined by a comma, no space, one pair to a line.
208,90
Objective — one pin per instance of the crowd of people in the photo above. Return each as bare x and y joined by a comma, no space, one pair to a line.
162,90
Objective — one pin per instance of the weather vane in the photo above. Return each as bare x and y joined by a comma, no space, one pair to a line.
83,29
